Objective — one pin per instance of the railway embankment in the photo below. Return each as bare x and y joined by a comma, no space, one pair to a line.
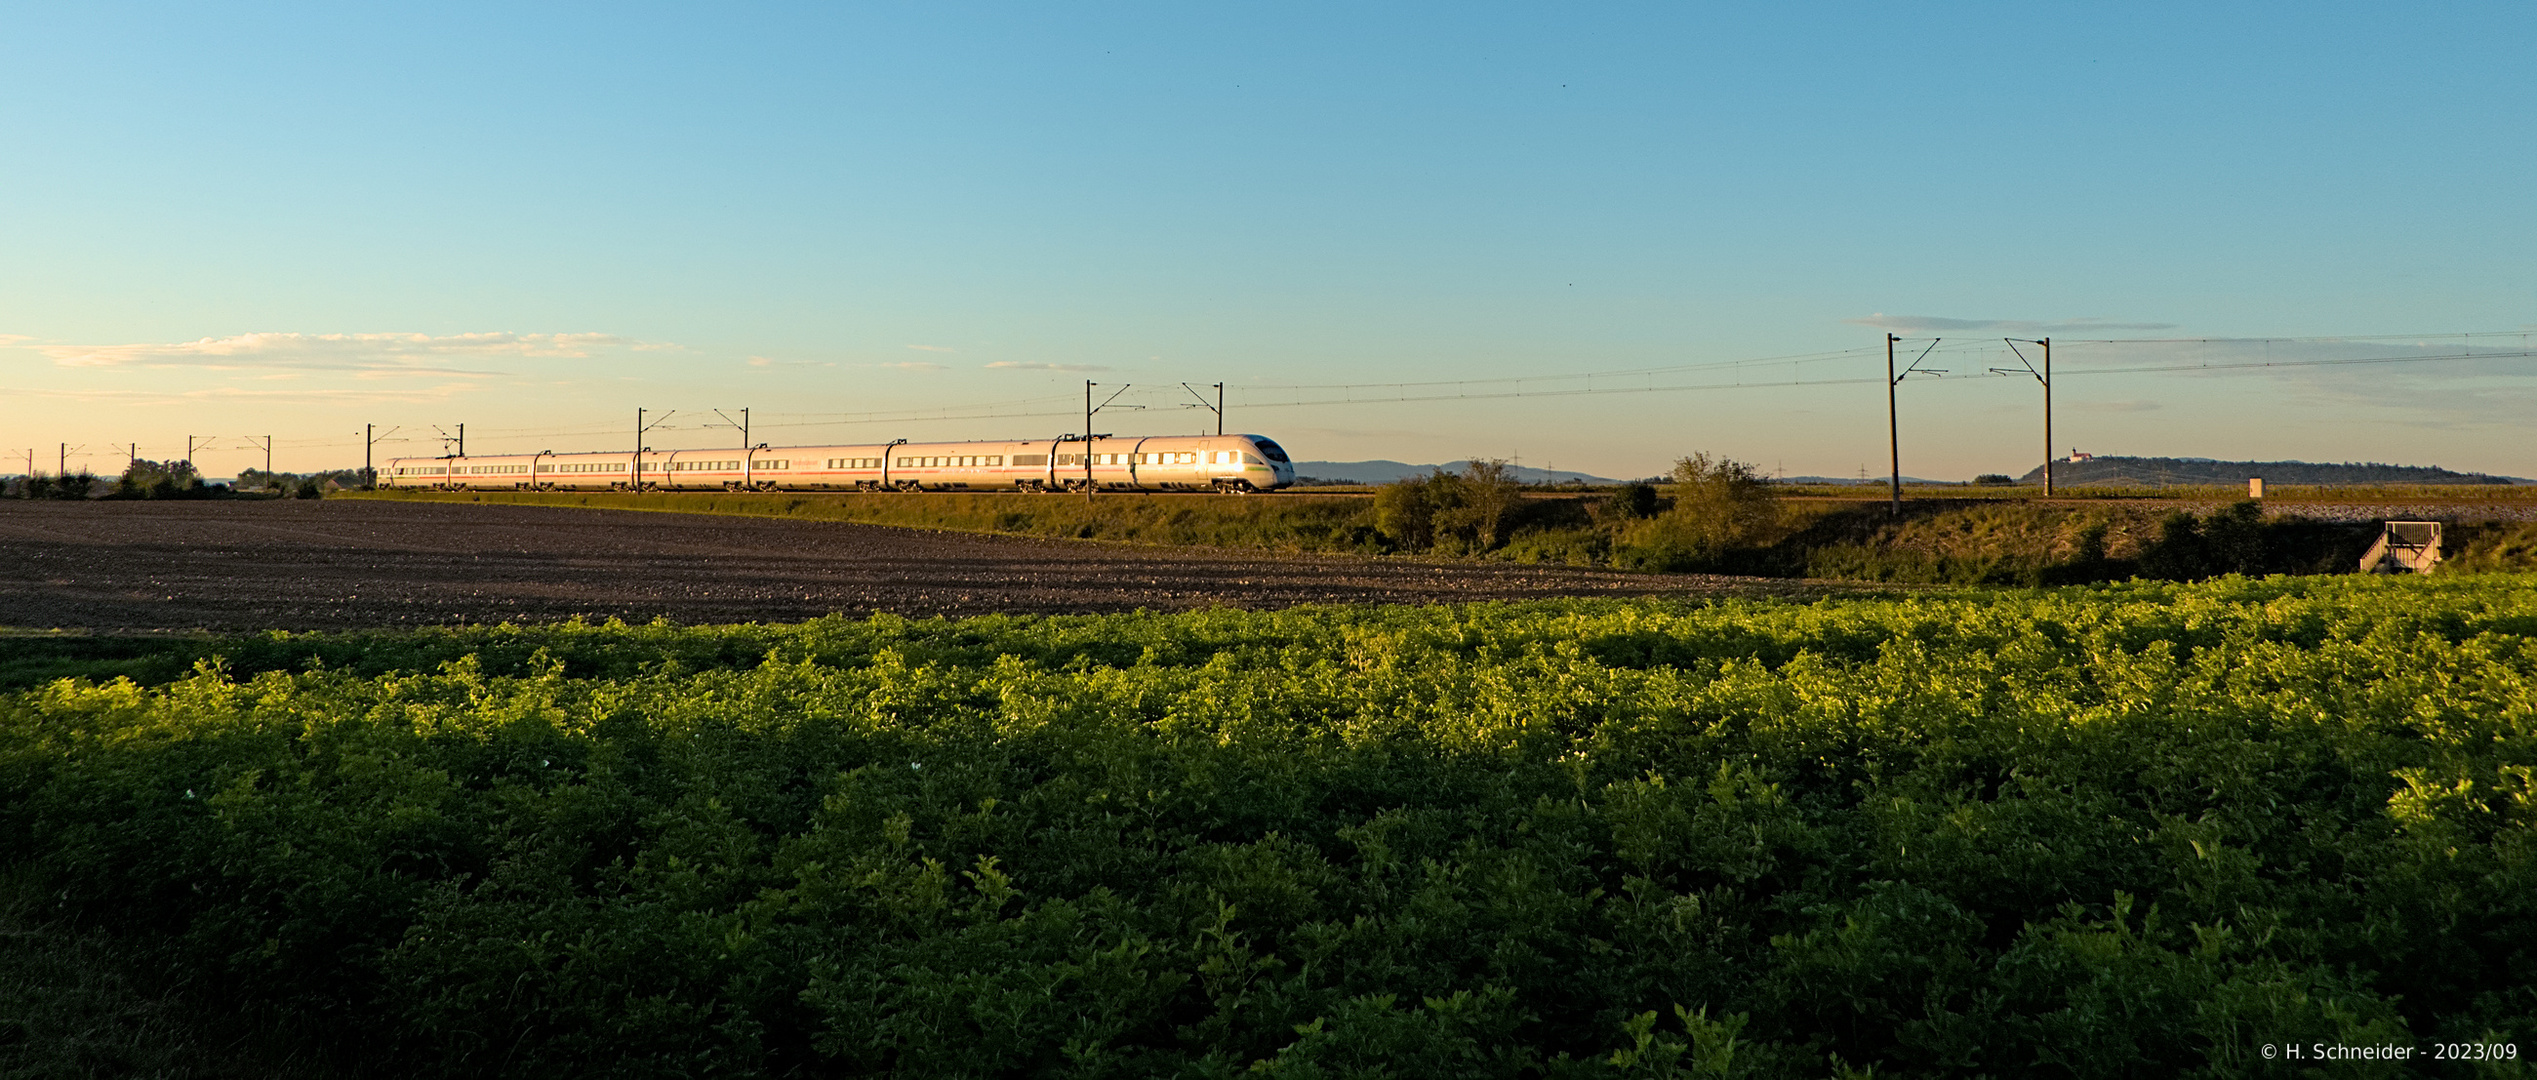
1951,537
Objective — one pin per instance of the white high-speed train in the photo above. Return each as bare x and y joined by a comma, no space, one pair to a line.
1228,463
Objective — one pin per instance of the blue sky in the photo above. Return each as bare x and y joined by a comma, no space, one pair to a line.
297,219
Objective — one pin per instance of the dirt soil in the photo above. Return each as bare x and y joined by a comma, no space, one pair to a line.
346,564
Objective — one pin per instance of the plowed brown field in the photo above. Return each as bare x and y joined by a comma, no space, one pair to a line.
344,564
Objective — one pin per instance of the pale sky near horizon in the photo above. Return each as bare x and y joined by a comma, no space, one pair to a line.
239,220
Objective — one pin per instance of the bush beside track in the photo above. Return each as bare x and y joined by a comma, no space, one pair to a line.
2137,830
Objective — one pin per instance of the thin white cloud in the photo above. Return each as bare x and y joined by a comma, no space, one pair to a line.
1925,323
1022,365
762,361
914,365
12,339
933,348
345,396
389,353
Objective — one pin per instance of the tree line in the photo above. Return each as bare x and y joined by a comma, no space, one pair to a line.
147,479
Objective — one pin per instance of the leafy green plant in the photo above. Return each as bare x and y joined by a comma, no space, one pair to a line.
2124,830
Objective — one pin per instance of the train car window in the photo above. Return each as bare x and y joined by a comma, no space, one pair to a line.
1030,459
1274,451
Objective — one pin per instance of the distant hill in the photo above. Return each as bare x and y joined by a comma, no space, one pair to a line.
1384,472
2159,471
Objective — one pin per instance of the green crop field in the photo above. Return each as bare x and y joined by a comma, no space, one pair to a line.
2138,830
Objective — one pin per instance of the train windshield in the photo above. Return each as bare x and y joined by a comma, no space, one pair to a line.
1273,451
